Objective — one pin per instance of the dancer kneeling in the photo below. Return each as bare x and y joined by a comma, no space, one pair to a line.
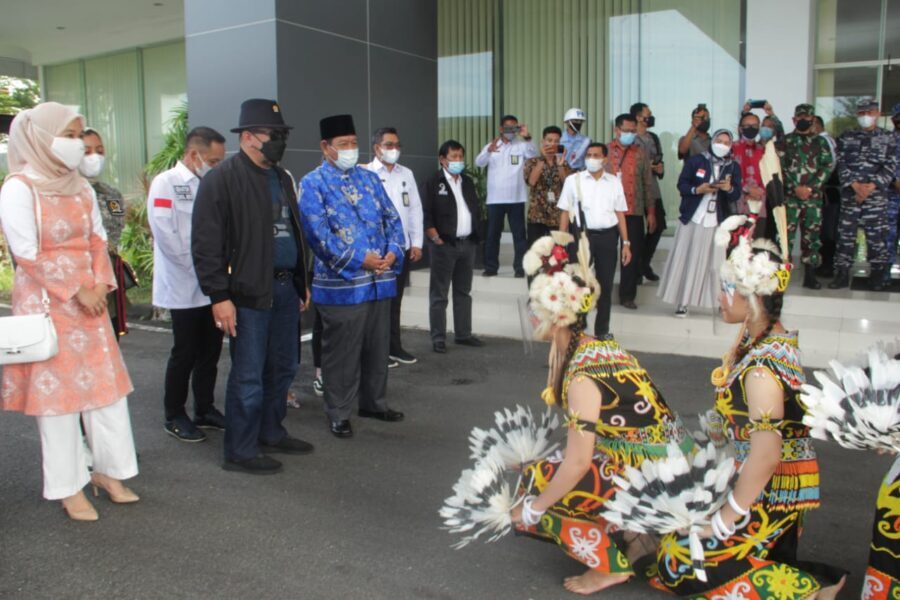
752,543
614,413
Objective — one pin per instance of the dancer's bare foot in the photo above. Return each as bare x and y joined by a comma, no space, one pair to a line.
830,592
591,582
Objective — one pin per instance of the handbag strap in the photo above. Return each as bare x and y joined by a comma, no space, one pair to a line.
45,299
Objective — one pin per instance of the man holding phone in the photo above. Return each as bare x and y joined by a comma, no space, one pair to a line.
696,140
648,141
545,175
504,157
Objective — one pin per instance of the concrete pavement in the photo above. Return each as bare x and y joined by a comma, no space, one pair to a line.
356,519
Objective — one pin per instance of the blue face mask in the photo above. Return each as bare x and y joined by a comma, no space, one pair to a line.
626,138
766,133
456,167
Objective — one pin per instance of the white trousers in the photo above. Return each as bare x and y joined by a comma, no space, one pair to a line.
108,431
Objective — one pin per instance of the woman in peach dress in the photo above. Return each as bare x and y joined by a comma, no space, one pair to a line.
67,257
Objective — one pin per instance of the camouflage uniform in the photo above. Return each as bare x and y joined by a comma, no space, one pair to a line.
806,161
112,210
867,157
894,204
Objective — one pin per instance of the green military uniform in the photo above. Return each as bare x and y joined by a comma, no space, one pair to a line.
806,161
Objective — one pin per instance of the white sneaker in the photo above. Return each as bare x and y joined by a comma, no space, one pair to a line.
681,312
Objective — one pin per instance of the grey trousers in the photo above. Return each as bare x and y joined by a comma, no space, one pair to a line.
451,264
355,342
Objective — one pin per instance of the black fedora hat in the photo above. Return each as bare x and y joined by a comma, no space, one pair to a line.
259,112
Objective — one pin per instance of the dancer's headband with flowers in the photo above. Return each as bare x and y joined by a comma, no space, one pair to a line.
752,267
561,291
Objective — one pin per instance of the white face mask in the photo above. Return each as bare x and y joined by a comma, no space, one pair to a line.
865,121
594,165
721,150
346,158
390,156
92,165
69,151
203,169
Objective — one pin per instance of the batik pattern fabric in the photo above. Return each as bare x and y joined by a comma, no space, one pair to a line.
543,195
88,372
346,215
635,425
759,560
882,580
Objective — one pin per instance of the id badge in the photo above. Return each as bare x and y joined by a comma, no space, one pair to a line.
406,199
551,198
514,159
711,206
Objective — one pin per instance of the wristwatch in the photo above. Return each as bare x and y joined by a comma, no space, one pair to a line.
626,243
435,238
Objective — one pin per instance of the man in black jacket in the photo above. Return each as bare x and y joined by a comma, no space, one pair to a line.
453,226
247,248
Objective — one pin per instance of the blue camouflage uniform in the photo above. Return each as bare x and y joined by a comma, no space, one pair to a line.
894,203
346,214
867,157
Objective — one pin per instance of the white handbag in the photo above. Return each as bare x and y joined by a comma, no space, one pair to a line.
29,338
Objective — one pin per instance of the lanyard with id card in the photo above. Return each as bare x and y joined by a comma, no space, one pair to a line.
405,196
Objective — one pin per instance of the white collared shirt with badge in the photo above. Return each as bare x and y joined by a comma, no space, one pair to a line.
400,185
463,215
505,178
600,199
170,208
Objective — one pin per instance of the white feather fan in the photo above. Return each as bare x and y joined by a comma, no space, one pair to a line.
516,440
679,492
858,410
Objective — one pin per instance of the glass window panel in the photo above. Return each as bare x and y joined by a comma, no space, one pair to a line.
65,84
838,90
165,88
848,30
890,88
892,33
114,109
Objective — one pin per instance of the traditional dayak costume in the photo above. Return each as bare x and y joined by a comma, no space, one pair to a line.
758,558
635,423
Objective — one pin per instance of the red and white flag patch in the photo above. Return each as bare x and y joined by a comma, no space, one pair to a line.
162,203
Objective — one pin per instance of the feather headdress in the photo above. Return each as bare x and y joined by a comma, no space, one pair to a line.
679,492
859,410
754,267
485,494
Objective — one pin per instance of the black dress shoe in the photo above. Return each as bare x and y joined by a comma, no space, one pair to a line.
520,274
388,415
489,273
469,341
629,304
649,275
439,347
841,279
341,429
211,419
288,445
258,465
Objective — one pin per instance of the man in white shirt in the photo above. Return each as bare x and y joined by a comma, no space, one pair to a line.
400,186
197,340
453,226
600,198
505,159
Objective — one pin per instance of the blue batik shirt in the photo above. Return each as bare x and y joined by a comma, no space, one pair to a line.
576,147
346,214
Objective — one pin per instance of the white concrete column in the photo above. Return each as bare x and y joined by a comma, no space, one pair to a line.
780,53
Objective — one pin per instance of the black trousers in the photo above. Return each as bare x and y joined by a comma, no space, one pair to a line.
193,361
605,251
451,264
536,231
355,357
396,303
630,273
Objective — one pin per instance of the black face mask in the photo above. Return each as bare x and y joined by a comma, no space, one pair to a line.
703,127
651,121
750,132
274,148
803,124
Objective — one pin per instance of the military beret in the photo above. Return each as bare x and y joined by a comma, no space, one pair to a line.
805,109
